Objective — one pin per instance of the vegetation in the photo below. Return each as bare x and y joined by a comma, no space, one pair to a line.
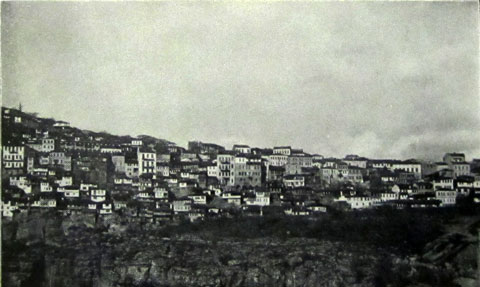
401,231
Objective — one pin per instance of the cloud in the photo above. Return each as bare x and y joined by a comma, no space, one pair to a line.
379,79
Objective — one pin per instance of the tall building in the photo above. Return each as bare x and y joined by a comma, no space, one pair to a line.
240,170
147,161
457,163
13,157
296,162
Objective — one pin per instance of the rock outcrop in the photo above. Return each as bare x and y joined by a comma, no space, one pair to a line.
56,252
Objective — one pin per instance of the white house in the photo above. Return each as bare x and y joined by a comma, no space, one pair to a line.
232,198
184,174
260,199
161,193
110,150
144,195
71,193
163,169
136,142
410,166
45,187
242,149
44,160
460,168
212,170
48,145
225,165
45,203
476,183
13,157
200,199
147,161
457,162
194,215
353,160
465,185
293,181
353,174
388,196
359,202
181,205
7,209
296,162
61,159
42,172
282,150
64,181
277,159
187,183
21,182
447,197
106,209
381,163
98,195
402,188
87,186
442,183
131,169
297,211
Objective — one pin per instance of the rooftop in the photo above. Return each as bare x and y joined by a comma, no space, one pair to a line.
282,147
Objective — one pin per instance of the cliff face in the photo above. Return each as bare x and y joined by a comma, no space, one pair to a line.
191,263
54,252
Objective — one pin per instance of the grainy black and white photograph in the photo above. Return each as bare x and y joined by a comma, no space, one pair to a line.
240,143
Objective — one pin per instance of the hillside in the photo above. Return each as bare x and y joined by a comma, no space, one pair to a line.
18,126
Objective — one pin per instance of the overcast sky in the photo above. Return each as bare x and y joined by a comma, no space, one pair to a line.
376,79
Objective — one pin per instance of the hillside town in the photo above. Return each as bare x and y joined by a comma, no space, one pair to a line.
49,165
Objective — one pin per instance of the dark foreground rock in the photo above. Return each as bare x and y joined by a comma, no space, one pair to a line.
52,252
189,262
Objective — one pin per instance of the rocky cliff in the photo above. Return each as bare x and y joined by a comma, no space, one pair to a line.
44,251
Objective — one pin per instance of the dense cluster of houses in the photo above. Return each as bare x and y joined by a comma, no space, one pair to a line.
47,164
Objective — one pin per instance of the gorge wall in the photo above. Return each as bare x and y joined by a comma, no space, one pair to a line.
77,252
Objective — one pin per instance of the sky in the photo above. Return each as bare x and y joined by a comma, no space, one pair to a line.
378,79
